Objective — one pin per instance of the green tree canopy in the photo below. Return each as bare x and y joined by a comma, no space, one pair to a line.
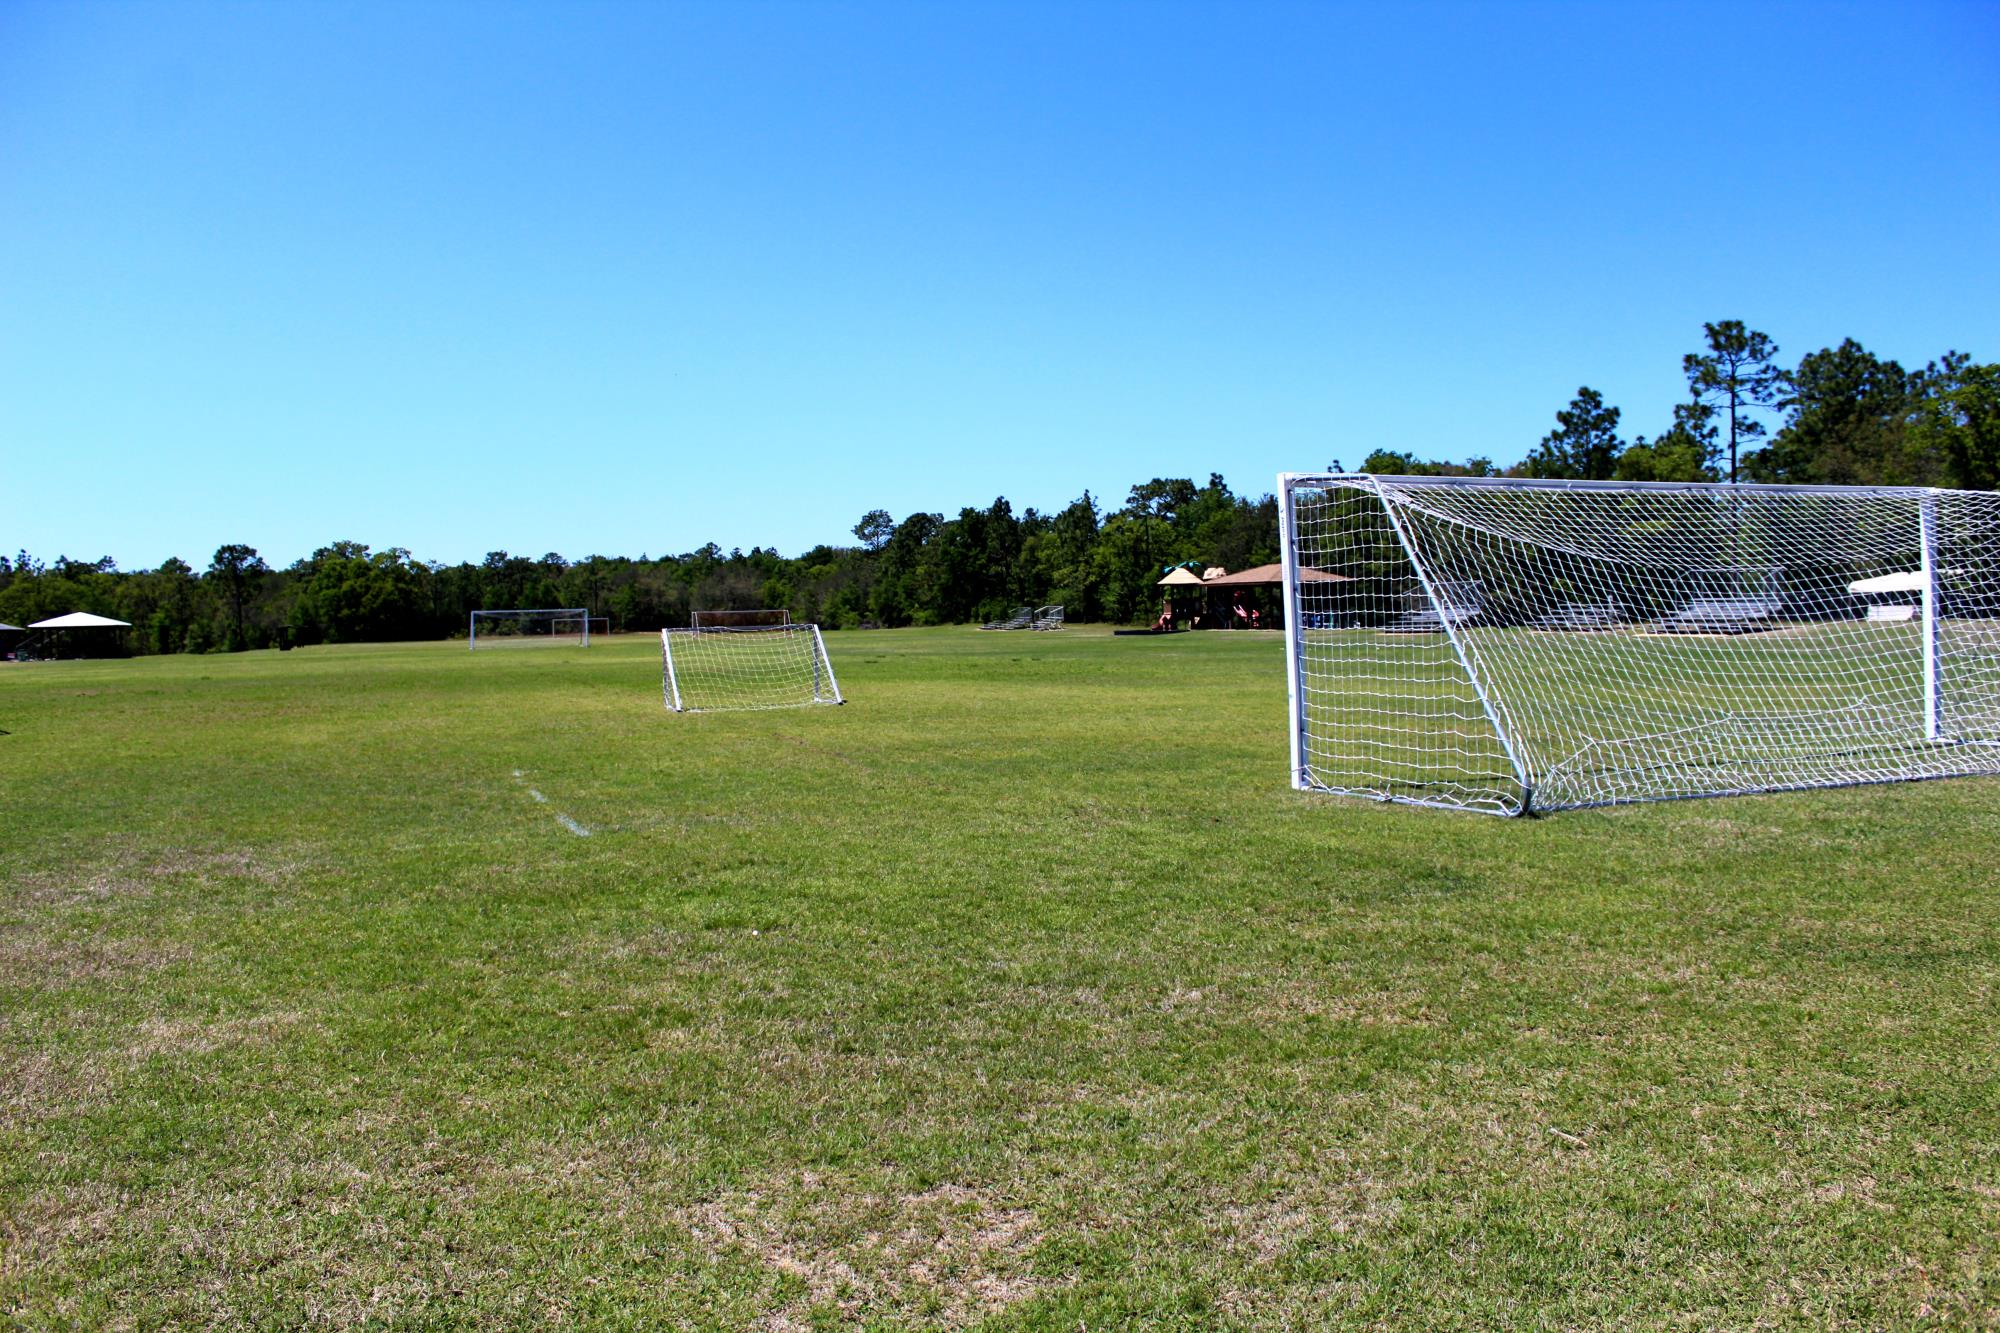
1738,373
1844,424
1685,451
235,567
1584,445
1955,419
875,528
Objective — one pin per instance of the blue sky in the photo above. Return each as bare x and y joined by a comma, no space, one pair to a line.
633,277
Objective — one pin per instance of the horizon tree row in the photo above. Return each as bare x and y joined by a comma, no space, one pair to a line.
925,570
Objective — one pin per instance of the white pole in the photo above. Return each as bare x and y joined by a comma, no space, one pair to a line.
673,685
1294,627
472,630
1927,530
832,684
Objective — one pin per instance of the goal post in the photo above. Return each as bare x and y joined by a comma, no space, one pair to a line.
529,625
1509,645
715,668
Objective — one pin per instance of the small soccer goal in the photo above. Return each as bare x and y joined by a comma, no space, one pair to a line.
713,668
1506,645
531,626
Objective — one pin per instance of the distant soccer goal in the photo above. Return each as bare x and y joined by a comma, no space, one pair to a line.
589,627
713,668
1506,645
532,625
773,615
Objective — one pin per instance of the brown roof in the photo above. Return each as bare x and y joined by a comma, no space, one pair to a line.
1271,576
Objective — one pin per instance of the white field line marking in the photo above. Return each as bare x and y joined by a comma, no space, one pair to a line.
561,818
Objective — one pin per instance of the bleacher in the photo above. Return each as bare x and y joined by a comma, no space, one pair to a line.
1723,615
1460,605
1581,617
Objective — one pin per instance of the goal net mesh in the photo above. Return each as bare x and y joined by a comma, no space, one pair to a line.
713,668
1502,645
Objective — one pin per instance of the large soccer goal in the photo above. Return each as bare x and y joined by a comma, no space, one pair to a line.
1506,645
530,625
711,668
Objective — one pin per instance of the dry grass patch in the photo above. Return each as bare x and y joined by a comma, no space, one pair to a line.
186,1036
1268,1229
38,1084
943,1257
1327,1000
41,959
39,1229
130,873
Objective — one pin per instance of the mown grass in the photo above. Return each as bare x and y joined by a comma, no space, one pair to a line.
1018,993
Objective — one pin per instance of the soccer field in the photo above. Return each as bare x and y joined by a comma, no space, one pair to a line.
401,984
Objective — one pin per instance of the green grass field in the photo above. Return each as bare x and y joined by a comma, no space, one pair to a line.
1020,992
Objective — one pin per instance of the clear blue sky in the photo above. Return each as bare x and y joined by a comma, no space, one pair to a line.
621,278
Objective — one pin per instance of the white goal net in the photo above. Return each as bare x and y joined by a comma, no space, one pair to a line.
531,625
712,668
1507,645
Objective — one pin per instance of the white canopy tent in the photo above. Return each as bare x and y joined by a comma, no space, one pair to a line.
1907,586
1912,581
81,620
74,620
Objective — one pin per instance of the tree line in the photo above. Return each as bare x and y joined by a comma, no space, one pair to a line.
1843,416
927,569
